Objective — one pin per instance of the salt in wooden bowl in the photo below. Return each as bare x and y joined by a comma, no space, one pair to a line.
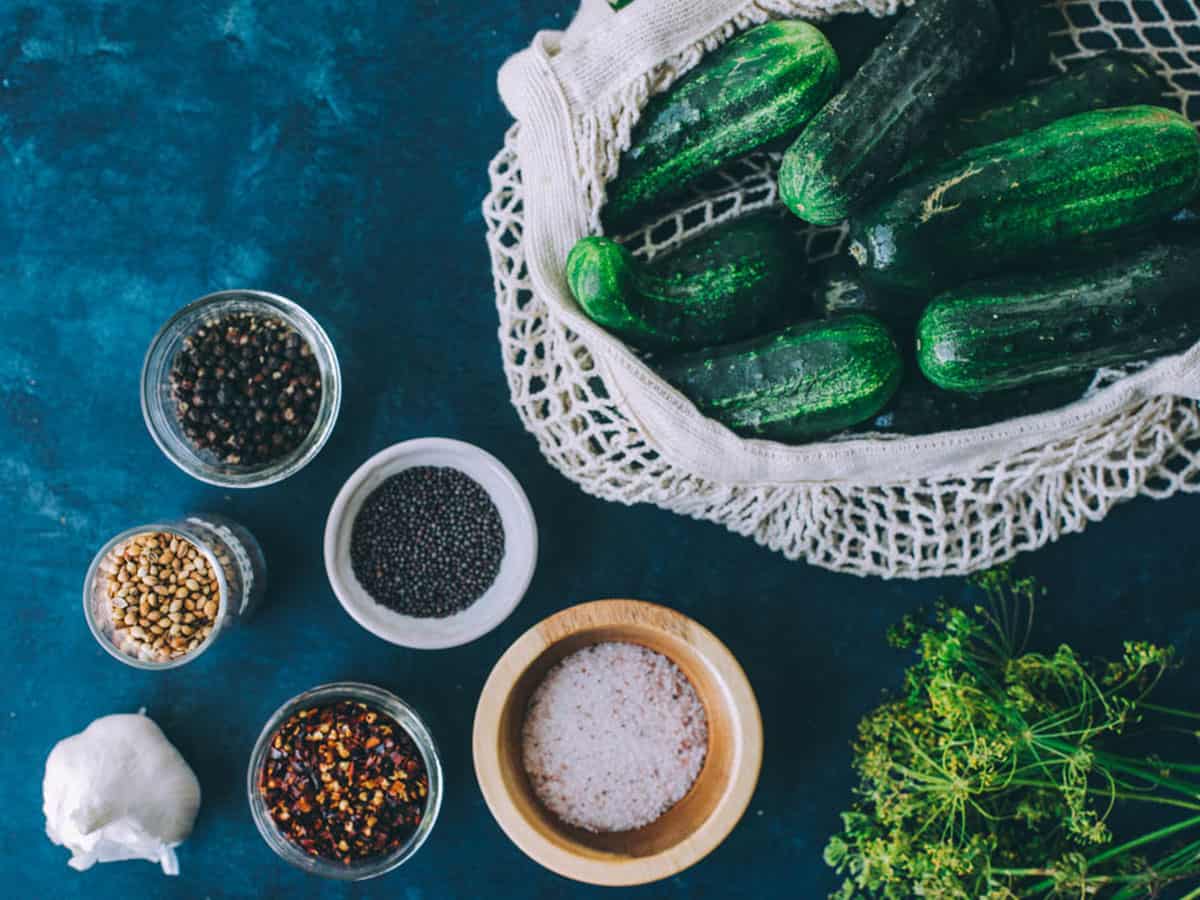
689,830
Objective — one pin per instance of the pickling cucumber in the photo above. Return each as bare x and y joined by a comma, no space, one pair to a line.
1076,181
912,81
725,285
1016,330
919,407
808,379
1100,82
762,85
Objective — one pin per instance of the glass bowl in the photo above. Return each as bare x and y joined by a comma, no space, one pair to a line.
229,550
159,407
406,718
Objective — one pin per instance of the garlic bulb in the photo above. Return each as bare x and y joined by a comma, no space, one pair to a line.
119,790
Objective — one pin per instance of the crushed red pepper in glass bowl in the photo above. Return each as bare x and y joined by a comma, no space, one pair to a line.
345,782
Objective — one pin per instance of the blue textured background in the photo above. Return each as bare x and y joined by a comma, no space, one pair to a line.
335,152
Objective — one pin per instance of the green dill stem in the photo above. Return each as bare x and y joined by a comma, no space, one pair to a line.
1190,768
1120,795
1186,852
1148,798
1131,881
1171,711
1123,764
1137,890
1112,852
1167,871
1166,874
1017,873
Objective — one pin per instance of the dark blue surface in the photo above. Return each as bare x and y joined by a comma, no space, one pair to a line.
335,152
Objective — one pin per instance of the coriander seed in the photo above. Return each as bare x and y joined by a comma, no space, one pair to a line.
142,580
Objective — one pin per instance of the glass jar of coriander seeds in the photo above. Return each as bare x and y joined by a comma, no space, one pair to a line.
158,595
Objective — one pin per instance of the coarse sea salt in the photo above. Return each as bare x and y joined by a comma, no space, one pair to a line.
613,737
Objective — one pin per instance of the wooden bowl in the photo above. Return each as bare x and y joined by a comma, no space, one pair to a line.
688,831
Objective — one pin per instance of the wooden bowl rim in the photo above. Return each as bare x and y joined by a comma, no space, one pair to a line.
615,870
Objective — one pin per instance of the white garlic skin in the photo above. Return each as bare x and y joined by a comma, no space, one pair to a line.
119,790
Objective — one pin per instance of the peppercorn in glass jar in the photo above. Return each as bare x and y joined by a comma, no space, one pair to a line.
345,781
157,596
241,388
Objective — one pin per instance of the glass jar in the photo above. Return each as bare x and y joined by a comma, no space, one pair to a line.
385,702
229,551
159,405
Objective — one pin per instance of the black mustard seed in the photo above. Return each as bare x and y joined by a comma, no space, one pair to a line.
247,388
427,542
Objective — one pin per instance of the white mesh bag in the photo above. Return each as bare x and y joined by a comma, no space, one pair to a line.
913,507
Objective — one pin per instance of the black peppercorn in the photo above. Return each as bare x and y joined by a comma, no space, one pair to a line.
227,378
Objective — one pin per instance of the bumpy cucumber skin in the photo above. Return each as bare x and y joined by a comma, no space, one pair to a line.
723,286
600,275
1078,180
1007,332
763,85
914,79
806,380
1101,82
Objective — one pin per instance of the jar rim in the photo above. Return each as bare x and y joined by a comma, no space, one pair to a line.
408,719
161,422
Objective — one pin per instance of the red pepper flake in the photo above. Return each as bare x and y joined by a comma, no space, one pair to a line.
322,782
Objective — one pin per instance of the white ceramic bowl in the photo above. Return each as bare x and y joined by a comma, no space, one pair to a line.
516,568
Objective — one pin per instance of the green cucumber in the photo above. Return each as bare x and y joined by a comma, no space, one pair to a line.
762,85
1076,181
919,407
1114,79
723,286
808,379
1010,331
840,290
913,81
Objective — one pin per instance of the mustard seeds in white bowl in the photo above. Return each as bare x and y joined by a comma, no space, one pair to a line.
427,602
614,736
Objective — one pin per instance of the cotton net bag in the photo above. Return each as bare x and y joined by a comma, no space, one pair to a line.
913,507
